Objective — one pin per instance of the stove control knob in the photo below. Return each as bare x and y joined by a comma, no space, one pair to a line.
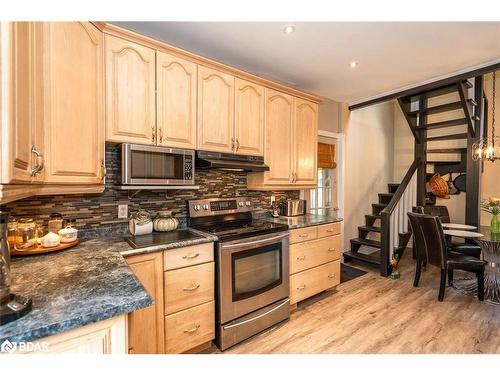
205,206
196,207
248,203
240,204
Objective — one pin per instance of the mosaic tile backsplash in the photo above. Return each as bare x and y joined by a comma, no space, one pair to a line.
93,211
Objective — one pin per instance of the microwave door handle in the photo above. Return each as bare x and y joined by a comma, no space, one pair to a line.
287,301
243,244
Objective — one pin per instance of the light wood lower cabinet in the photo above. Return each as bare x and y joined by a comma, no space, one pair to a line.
146,326
190,328
314,260
104,337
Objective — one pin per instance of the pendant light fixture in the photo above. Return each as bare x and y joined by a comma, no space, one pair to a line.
488,148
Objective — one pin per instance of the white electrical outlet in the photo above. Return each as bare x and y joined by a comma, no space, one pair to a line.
273,199
122,211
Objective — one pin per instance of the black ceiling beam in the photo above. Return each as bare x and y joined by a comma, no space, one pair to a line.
428,86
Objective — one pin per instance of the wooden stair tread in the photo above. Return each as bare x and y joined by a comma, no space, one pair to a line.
370,228
373,258
443,124
366,242
372,216
447,150
438,108
447,137
441,162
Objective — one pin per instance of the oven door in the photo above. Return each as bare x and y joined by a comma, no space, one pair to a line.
152,165
252,273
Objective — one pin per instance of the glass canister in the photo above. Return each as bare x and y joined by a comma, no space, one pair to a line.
55,223
26,235
11,232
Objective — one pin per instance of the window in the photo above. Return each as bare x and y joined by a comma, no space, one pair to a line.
321,198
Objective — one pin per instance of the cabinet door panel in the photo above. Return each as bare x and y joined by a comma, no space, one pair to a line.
130,92
17,60
215,110
249,118
279,119
305,142
73,111
146,326
176,104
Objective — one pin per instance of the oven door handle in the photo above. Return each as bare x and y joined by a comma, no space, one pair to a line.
285,302
242,244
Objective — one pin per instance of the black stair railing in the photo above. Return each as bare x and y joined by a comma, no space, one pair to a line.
394,221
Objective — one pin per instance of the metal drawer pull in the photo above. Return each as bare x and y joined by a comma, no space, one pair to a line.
191,288
330,230
196,327
285,302
331,250
301,257
191,256
303,235
331,276
301,287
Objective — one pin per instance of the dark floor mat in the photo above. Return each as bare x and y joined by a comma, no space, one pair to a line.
348,273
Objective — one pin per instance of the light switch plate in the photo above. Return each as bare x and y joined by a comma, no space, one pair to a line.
122,211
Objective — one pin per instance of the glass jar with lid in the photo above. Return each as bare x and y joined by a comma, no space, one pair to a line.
55,223
12,232
26,235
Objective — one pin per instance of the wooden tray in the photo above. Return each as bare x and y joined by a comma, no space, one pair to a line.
43,250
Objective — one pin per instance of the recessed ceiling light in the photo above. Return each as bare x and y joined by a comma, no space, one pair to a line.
289,29
353,64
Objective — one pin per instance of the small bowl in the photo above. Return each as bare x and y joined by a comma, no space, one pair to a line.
68,234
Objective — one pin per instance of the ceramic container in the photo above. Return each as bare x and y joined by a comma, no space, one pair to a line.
68,234
50,240
164,222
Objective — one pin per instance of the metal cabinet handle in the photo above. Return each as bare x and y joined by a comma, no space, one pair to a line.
103,170
191,256
161,135
232,144
191,288
331,250
331,276
153,134
301,257
237,144
194,329
38,166
301,287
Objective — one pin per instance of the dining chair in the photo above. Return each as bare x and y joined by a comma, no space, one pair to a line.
460,247
431,248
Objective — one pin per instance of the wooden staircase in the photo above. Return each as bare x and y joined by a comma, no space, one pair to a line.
445,122
367,246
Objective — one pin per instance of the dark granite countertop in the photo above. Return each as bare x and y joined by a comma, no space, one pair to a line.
309,220
72,288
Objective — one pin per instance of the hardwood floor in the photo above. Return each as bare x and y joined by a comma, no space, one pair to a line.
372,314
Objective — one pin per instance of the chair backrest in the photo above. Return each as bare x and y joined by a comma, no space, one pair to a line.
441,211
429,239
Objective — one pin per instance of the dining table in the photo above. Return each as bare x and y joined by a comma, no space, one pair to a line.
490,252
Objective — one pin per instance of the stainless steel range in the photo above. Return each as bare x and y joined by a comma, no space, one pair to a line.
252,279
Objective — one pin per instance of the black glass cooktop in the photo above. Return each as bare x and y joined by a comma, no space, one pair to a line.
231,230
161,238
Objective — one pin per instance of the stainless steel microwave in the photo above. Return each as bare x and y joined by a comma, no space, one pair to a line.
153,165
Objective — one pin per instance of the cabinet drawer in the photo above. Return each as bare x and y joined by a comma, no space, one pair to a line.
188,256
314,253
189,328
303,234
313,281
328,230
188,287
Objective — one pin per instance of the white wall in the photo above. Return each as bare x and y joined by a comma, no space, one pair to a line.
369,156
329,113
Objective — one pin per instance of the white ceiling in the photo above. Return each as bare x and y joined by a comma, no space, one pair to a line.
315,58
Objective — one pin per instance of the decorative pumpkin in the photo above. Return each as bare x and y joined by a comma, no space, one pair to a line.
439,187
164,222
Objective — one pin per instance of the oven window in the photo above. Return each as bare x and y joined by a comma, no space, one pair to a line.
256,271
156,165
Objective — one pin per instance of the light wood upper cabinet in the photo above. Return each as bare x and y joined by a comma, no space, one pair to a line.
305,142
215,110
279,126
176,101
249,118
73,103
130,92
146,326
